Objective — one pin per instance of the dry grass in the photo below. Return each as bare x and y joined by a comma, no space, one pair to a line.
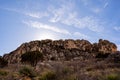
65,70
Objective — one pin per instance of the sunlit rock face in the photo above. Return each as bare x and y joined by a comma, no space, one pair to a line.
106,46
62,49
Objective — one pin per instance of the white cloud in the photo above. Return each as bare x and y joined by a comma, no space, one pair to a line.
99,9
85,2
36,14
106,4
30,14
118,46
117,28
96,10
89,22
13,10
68,16
78,34
60,13
39,25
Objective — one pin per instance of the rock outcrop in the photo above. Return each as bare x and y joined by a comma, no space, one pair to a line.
62,49
104,46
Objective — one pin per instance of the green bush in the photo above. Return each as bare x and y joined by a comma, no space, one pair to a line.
113,77
71,77
66,71
27,71
48,76
32,57
3,73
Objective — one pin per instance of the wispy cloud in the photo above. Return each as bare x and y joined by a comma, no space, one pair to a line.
40,25
106,4
33,14
85,2
36,14
66,15
60,13
118,46
13,10
117,28
92,23
78,34
89,22
96,10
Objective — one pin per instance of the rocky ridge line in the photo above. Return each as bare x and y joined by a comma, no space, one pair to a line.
62,49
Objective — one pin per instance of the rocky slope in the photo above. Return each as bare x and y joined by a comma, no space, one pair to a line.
62,49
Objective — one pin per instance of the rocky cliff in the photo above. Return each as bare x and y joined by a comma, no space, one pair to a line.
62,49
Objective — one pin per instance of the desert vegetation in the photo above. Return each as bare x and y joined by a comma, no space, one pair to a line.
32,57
89,69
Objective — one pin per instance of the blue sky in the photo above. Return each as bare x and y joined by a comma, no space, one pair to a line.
26,20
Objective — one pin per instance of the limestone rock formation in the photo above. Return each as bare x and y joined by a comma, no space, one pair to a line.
62,49
104,46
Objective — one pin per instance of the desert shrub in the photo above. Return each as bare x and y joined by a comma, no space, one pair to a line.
50,75
63,72
3,62
114,57
15,75
102,55
66,70
32,57
71,77
3,73
113,77
27,71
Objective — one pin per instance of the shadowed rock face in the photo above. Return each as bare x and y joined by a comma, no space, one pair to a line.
62,49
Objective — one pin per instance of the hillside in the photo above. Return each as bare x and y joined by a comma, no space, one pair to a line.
65,60
62,49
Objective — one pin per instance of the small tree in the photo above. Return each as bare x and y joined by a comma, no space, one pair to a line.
27,71
32,57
